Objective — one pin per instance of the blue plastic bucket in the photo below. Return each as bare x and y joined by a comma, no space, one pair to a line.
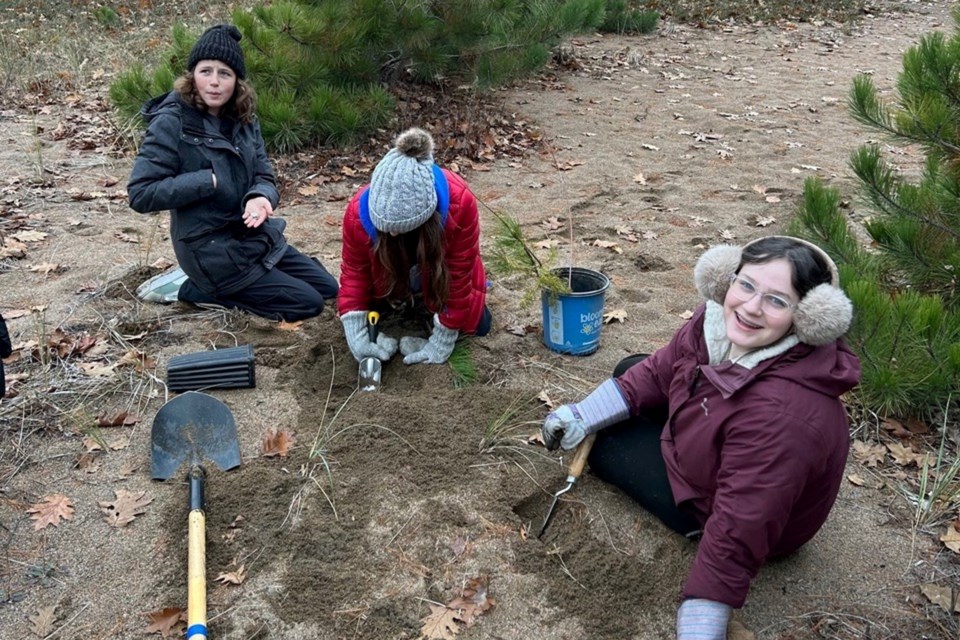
572,321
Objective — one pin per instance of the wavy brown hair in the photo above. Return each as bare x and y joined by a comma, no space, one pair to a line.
391,253
242,104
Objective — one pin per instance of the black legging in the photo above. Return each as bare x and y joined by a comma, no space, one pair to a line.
627,455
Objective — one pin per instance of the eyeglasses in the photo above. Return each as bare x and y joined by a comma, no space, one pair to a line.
771,303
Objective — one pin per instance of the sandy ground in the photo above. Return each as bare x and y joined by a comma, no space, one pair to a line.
658,147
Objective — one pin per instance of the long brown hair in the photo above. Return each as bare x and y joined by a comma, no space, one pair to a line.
391,252
242,104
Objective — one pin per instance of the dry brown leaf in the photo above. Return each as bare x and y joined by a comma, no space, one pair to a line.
549,243
126,237
45,268
29,236
944,597
640,178
127,506
283,325
536,439
169,621
616,314
440,624
546,399
904,455
309,190
552,223
474,600
10,248
951,538
856,480
97,370
277,442
772,199
650,235
119,419
868,454
765,221
233,577
162,263
43,621
895,427
15,313
51,510
606,244
736,631
686,315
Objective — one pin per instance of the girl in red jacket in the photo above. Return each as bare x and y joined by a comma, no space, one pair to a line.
412,234
734,432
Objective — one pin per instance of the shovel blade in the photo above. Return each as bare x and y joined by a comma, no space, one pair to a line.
369,374
192,427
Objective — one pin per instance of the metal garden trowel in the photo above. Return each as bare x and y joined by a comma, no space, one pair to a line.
573,473
371,367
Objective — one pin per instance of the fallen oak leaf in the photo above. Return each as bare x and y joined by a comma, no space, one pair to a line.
616,314
51,510
951,538
283,325
29,236
46,268
868,455
43,621
473,601
277,442
127,506
904,455
166,621
233,577
439,624
119,419
944,597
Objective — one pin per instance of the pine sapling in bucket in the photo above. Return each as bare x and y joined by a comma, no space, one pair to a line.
571,297
513,256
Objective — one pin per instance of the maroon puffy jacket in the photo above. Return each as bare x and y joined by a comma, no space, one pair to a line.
756,454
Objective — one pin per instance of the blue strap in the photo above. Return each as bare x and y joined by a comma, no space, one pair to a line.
443,203
197,630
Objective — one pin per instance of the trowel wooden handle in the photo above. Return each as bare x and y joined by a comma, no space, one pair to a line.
580,457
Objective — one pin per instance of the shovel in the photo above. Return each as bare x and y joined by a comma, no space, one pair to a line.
573,472
370,367
189,428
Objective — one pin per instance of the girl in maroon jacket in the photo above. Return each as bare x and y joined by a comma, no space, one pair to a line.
412,234
734,431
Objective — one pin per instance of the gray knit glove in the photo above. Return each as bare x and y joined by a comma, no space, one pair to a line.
358,338
568,424
702,619
436,350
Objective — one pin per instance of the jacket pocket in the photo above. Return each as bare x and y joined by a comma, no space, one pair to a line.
223,258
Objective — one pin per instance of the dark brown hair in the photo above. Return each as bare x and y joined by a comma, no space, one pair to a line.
242,104
809,268
391,252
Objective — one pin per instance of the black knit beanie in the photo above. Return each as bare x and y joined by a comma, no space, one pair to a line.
222,43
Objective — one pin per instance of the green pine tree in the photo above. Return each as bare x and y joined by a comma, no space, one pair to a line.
904,283
323,68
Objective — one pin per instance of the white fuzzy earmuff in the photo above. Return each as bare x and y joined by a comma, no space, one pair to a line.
822,316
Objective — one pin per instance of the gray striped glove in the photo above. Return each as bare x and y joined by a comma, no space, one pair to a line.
702,619
567,425
358,338
436,350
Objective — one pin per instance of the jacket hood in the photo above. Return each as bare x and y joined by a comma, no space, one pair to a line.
822,316
155,106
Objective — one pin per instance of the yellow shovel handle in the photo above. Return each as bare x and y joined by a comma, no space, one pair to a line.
196,576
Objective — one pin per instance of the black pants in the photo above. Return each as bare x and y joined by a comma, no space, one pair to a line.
294,289
628,456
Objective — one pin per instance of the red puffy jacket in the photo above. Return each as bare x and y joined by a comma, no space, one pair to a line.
362,277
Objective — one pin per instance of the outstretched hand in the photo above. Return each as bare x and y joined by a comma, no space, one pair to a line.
256,212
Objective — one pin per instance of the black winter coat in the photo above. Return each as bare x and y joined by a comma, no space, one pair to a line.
174,170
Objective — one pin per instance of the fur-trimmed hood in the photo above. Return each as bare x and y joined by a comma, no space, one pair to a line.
822,316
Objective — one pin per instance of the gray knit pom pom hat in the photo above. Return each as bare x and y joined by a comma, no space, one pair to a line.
402,192
823,315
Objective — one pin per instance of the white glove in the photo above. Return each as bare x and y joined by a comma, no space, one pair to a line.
358,338
568,424
436,350
702,619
